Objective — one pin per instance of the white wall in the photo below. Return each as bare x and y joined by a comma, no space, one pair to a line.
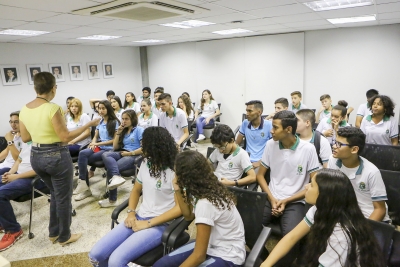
125,61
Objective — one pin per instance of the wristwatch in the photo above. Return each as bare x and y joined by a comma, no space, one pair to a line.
129,210
10,143
236,183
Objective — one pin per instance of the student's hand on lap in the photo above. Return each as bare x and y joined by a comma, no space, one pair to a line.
130,220
256,164
140,225
281,206
126,153
328,133
91,146
227,182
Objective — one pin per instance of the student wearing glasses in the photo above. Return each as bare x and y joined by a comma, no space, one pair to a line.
364,175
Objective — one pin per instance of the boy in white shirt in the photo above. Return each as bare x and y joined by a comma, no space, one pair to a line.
155,107
326,108
296,102
364,109
280,104
13,138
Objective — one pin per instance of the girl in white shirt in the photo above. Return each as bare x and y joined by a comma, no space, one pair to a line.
131,103
338,233
209,110
117,106
185,104
148,118
220,231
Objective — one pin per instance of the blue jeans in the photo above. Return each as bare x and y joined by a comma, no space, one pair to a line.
122,245
200,123
9,192
178,256
3,171
87,156
74,150
114,163
54,166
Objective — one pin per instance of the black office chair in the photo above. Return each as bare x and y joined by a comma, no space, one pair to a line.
394,258
383,233
383,157
3,143
392,184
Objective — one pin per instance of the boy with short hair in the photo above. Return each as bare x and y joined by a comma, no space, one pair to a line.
326,108
146,94
155,108
364,175
14,142
364,109
110,94
232,160
296,102
280,104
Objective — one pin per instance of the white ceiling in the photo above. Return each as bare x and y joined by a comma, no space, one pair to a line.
260,16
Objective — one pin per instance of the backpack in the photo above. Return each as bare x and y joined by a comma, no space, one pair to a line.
317,144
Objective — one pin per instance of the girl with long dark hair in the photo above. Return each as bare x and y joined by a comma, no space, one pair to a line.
117,106
338,232
131,102
209,110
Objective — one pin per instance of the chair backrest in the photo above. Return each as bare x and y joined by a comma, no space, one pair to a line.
383,233
243,116
392,184
250,205
236,131
209,151
263,117
383,157
3,143
92,131
394,259
219,117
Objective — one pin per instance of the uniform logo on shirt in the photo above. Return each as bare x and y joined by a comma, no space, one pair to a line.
262,134
133,140
299,170
387,131
158,184
176,126
362,186
230,165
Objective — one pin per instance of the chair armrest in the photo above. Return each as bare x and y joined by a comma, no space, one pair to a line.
252,186
258,247
183,225
167,232
35,180
183,144
117,211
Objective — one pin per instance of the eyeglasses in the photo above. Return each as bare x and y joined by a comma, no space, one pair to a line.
14,122
339,145
221,148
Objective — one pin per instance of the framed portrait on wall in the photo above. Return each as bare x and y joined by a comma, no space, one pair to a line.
10,75
33,69
108,70
93,70
75,71
58,71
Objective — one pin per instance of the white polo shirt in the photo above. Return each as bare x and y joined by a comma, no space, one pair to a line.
158,193
156,110
337,248
326,124
363,110
152,120
208,108
367,183
233,166
119,113
290,168
9,160
325,114
72,125
25,158
227,231
174,125
135,106
325,150
381,133
294,109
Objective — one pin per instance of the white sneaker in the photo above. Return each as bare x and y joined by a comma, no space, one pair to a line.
115,181
82,186
201,137
83,195
106,203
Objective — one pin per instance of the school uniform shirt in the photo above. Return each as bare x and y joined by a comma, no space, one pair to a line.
95,116
72,125
208,109
227,231
152,120
233,166
290,168
132,139
158,193
151,100
156,110
363,110
325,150
9,160
294,109
380,133
25,158
103,134
256,138
337,248
174,125
191,115
326,124
325,114
119,113
367,183
135,106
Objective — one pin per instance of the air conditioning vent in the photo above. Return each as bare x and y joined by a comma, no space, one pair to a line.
111,8
174,7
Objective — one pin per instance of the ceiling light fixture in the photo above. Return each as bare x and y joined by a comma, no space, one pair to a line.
22,32
353,19
99,37
323,5
232,31
149,41
188,24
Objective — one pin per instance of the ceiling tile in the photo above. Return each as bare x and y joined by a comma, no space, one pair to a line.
124,33
88,30
37,26
266,27
227,18
254,22
6,24
61,6
155,28
214,10
120,24
313,28
295,18
243,5
309,23
348,12
280,10
15,13
392,7
394,15
74,20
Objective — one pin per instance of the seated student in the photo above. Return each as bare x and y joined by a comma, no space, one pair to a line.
232,160
188,96
329,126
155,106
142,229
146,94
76,119
256,131
381,127
220,231
338,234
364,176
14,141
14,183
349,109
126,147
67,102
296,102
185,104
110,94
95,114
173,119
117,106
326,108
280,104
102,142
292,162
209,110
364,109
305,121
131,103
148,118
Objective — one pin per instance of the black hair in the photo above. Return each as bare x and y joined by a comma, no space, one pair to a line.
14,113
186,93
146,89
343,103
387,102
222,133
134,99
110,92
111,118
354,136
288,118
325,96
118,100
257,104
165,96
307,115
44,82
283,101
342,109
371,92
159,90
134,120
69,98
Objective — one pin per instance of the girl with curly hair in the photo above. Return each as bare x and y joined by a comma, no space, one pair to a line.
142,229
338,233
220,232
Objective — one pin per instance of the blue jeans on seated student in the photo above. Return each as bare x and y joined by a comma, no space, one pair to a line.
10,191
3,171
115,163
178,256
122,245
200,123
87,156
74,150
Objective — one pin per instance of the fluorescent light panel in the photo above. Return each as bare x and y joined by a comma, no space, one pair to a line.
22,32
99,37
188,24
149,41
323,5
231,31
353,19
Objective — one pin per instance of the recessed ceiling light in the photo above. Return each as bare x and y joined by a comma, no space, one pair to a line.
232,31
99,37
149,41
22,32
322,5
188,24
353,19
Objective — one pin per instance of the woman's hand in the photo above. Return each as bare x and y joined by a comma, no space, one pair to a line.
94,122
126,153
130,220
207,120
140,225
120,128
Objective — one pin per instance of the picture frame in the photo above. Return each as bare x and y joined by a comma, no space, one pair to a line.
57,70
108,70
75,71
10,75
32,69
93,70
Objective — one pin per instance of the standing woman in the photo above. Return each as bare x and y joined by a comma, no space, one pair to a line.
131,103
185,104
148,118
209,110
220,231
76,119
117,106
43,123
